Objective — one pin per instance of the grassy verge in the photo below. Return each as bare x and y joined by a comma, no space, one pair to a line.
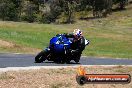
110,37
59,78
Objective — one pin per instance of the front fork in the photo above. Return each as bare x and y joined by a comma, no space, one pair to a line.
47,50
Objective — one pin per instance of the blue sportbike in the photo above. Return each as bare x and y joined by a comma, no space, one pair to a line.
59,51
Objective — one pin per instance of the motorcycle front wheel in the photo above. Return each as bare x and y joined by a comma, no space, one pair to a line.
40,57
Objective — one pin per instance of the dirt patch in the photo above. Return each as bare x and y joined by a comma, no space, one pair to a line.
10,46
59,78
6,44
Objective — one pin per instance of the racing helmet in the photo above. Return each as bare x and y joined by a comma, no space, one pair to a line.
77,32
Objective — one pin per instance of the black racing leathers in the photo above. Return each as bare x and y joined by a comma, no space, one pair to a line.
77,45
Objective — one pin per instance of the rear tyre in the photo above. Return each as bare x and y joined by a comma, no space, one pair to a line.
77,58
40,57
68,61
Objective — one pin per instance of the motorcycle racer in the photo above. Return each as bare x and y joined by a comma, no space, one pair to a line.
78,42
63,48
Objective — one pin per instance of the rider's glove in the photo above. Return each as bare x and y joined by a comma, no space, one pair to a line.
58,34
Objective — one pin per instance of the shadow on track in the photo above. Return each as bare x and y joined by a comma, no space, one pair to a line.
61,63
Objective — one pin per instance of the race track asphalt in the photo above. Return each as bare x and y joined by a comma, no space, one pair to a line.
27,60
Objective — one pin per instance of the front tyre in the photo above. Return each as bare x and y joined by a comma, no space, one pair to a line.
40,57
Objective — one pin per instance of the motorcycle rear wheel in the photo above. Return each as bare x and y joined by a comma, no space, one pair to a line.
77,60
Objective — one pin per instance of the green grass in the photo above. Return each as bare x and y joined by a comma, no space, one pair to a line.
109,37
